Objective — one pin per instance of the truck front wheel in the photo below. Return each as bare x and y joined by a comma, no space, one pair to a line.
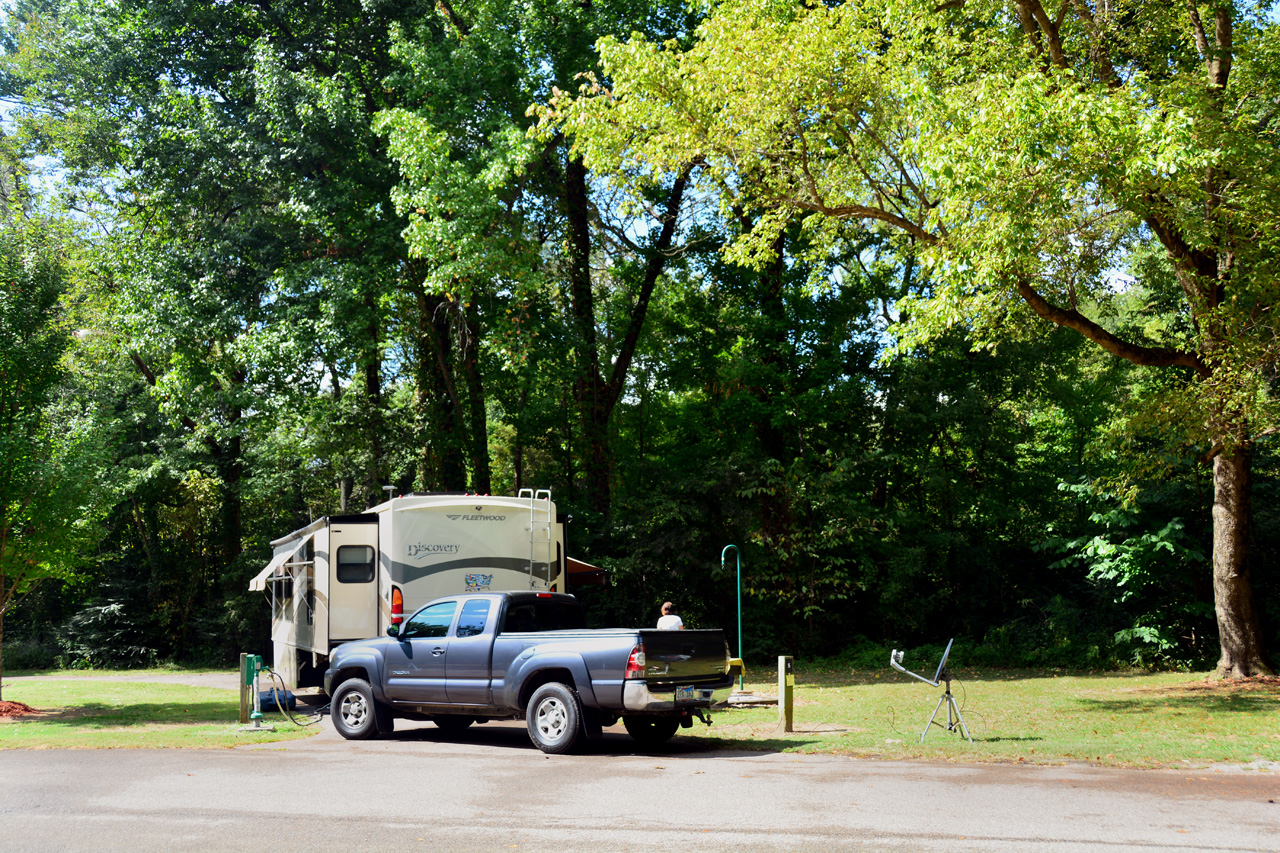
554,718
651,731
357,715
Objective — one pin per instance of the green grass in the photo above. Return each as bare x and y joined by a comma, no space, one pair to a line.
79,713
1142,720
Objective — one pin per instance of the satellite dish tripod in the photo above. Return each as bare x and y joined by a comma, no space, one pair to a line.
954,720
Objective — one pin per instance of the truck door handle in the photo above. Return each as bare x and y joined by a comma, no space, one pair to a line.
437,651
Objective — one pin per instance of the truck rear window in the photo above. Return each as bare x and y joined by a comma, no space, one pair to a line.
543,615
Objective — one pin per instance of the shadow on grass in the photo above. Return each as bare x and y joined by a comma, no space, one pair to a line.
862,677
101,715
1207,702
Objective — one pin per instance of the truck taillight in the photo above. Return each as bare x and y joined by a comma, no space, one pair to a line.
397,606
635,663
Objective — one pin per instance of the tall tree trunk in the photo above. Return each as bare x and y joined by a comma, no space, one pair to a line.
441,465
231,468
373,396
481,477
598,396
2,609
1239,630
517,449
777,521
590,387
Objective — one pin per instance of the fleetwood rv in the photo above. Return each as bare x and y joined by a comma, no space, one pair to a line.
349,577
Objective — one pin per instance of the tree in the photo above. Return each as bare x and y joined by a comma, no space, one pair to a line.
1028,160
51,449
500,219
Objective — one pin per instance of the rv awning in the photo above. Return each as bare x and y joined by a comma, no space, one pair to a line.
583,574
259,582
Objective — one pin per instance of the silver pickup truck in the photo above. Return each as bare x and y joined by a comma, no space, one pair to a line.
512,655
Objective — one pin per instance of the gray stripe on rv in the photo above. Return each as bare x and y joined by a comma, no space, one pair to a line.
405,573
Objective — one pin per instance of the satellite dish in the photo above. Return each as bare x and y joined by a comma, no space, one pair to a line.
942,664
955,722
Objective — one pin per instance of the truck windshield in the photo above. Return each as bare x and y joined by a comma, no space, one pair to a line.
543,615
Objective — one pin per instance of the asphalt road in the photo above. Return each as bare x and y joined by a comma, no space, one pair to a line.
489,789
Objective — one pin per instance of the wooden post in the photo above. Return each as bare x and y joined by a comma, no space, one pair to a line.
244,689
786,689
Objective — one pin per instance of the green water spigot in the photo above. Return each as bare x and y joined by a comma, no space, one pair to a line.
252,666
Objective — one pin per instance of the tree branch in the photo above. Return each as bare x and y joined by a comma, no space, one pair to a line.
447,12
859,211
1074,320
1056,53
657,260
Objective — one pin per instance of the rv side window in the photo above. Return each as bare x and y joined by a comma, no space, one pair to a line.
355,564
431,621
474,614
282,595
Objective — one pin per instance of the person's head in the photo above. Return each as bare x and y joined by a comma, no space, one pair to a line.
668,608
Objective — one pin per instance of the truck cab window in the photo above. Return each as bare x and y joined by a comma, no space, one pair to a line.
475,614
433,621
542,615
355,564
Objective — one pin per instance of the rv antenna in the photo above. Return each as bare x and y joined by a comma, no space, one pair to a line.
389,490
954,720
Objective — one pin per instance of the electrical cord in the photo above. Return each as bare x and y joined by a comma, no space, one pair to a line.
318,716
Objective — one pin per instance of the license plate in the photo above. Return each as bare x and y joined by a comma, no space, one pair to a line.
685,694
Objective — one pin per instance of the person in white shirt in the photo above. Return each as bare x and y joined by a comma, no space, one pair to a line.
669,621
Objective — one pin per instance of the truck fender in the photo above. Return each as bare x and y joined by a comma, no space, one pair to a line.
527,666
366,666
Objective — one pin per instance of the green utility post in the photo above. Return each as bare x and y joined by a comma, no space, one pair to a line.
786,691
737,553
250,666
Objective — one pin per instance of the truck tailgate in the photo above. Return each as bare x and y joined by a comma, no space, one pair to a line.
684,656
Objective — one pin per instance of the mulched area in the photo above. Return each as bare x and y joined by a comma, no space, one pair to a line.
15,709
1222,686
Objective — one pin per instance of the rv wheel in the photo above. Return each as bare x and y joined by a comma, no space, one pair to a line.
356,714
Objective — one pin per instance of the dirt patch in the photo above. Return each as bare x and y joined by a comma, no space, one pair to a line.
1257,684
16,709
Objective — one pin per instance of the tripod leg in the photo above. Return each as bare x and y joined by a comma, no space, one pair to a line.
936,709
953,706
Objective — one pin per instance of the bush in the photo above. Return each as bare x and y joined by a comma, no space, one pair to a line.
29,654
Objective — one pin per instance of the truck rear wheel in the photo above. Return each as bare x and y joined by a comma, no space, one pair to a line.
357,715
651,731
554,718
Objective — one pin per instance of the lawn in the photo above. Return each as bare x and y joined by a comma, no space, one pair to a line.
81,713
1117,719
1130,719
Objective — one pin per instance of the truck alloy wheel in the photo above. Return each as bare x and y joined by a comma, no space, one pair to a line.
355,712
554,719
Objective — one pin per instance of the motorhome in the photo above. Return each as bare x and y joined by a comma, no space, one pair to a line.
349,577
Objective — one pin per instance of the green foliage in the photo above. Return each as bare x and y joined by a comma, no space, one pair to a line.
1150,567
335,250
50,445
1021,160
